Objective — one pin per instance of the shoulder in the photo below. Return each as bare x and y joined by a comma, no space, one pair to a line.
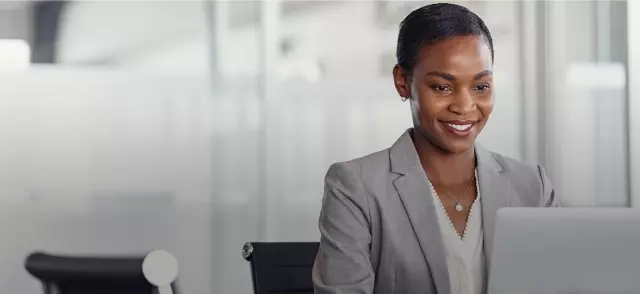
516,168
350,183
527,179
518,171
359,169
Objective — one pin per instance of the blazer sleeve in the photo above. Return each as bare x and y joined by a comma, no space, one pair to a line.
343,263
549,198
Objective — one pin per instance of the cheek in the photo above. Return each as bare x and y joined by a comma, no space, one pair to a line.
430,106
486,107
429,109
415,112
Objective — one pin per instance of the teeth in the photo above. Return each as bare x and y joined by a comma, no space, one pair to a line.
459,127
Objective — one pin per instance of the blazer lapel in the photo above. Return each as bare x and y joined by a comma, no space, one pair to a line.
495,192
415,193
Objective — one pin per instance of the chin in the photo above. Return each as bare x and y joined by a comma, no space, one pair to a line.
458,147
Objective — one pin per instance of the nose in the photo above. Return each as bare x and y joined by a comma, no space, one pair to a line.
462,103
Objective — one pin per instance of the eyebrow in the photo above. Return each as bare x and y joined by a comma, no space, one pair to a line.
450,77
482,74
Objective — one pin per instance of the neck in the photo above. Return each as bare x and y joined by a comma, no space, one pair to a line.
443,167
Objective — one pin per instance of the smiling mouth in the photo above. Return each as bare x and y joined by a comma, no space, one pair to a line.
459,128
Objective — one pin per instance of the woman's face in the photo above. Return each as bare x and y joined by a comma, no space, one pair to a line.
450,92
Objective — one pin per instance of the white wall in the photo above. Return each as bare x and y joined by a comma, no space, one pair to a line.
105,133
165,35
103,162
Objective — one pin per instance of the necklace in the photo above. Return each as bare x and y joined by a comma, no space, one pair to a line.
458,206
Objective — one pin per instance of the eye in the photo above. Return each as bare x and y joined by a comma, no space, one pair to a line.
444,89
482,88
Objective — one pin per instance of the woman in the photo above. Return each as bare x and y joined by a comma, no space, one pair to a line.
419,216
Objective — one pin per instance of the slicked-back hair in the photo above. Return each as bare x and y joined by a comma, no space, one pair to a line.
434,23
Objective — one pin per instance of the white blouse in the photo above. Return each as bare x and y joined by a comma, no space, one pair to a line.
464,255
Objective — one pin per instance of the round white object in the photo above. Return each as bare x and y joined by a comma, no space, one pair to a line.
160,268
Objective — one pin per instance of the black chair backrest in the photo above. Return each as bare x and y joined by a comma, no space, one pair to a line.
89,275
281,267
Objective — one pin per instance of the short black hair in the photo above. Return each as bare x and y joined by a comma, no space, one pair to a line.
431,24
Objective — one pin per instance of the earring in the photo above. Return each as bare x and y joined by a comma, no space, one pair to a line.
404,99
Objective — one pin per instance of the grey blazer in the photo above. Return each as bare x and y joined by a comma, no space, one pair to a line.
378,224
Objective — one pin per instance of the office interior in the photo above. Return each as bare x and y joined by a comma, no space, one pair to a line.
196,126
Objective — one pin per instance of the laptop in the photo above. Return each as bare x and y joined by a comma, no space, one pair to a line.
566,251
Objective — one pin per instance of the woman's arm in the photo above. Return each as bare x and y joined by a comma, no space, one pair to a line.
549,198
343,262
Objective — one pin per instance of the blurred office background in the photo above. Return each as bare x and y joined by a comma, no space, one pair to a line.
194,126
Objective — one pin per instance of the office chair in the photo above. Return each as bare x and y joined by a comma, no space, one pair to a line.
89,275
281,267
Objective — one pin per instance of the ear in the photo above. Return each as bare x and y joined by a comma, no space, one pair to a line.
402,82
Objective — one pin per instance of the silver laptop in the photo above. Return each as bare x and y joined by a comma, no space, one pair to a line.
566,251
